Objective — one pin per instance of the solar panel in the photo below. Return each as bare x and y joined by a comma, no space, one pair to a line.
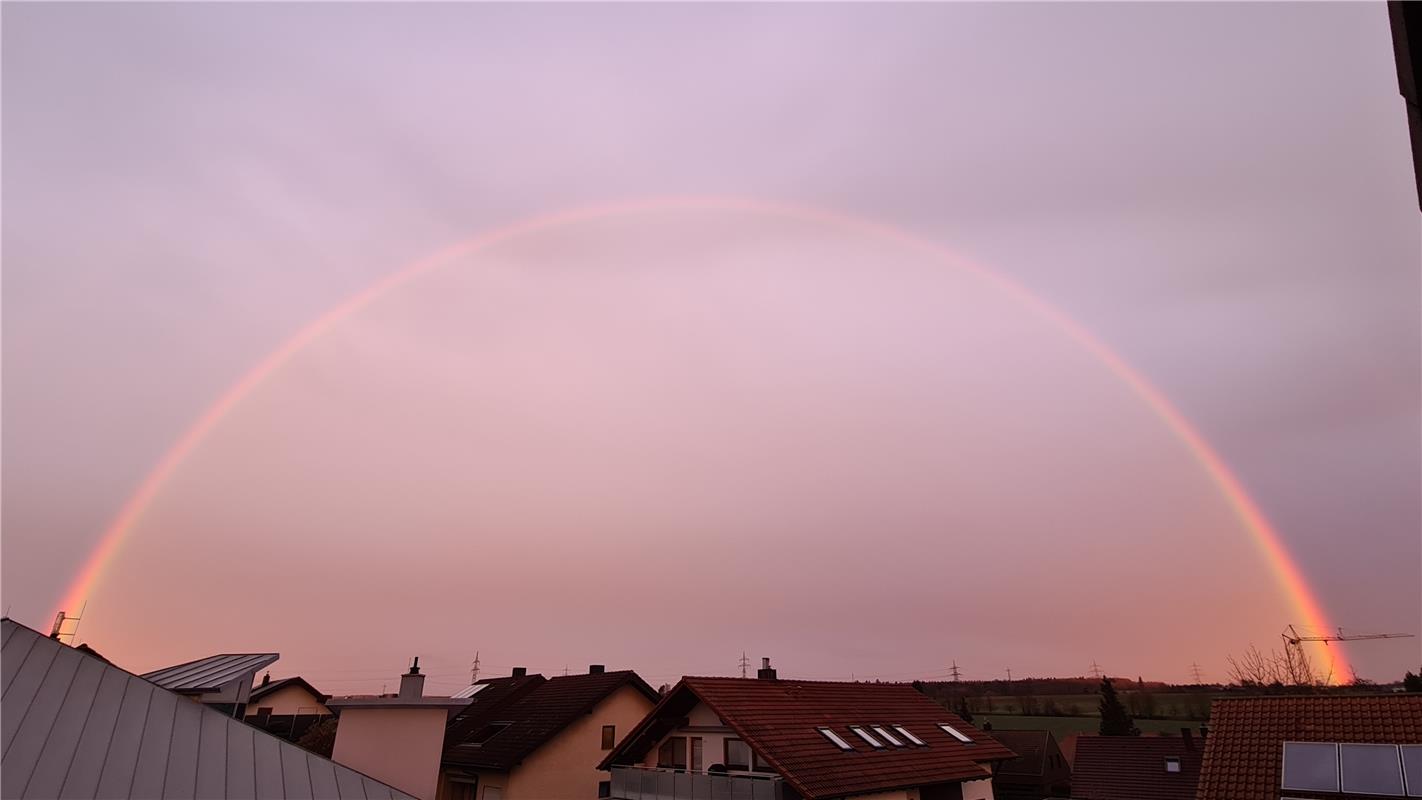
1412,768
471,690
1371,768
863,734
1311,766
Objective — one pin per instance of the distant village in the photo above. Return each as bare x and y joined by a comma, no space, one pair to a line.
220,726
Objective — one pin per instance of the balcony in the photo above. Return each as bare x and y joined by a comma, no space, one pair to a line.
644,783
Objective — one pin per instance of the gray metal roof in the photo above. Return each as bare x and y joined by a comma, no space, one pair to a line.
78,728
211,673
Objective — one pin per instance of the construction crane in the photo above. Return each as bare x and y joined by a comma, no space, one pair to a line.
1293,638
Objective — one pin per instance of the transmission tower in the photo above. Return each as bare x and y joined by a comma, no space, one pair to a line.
955,672
1195,673
1009,674
474,669
1095,670
745,663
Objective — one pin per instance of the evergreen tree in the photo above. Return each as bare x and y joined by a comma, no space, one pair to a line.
1115,721
1412,683
962,710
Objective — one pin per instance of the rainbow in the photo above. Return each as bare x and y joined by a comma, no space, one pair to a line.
1266,538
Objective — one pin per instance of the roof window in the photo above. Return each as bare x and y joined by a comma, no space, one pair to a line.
904,732
955,733
835,738
886,736
867,737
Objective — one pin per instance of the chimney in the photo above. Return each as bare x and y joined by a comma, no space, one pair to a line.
596,669
1189,738
412,683
519,672
766,672
1204,731
266,678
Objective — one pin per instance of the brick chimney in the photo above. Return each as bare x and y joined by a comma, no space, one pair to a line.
596,669
520,672
766,672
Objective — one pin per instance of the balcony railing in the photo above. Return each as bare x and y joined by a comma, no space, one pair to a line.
644,783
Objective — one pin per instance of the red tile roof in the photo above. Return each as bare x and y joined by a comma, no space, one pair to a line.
1244,753
778,719
1133,768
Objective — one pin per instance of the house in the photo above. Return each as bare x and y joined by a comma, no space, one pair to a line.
1334,746
223,681
1137,767
527,737
773,739
1040,769
287,707
76,726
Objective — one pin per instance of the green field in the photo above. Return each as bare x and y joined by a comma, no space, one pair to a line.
1062,727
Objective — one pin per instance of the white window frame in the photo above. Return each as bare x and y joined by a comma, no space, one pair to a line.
835,739
886,736
866,736
1172,761
914,740
955,733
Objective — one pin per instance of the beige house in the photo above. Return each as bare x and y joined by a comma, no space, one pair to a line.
286,696
527,737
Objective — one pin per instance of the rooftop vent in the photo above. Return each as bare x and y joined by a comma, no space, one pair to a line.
520,672
766,672
412,683
596,669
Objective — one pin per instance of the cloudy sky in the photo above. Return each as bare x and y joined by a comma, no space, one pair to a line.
657,438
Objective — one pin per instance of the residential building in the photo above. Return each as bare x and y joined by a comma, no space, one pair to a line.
76,726
1039,770
287,707
223,681
773,739
1137,767
526,737
1315,746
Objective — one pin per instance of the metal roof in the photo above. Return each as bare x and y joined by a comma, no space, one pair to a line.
78,728
211,673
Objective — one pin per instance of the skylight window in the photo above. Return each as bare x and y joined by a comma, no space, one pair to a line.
866,736
1172,763
471,690
905,733
955,733
1370,769
886,736
1311,766
835,738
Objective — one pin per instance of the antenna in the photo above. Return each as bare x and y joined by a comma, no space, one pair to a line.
745,663
1095,670
474,669
955,672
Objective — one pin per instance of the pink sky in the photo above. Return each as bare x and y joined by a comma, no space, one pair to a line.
659,440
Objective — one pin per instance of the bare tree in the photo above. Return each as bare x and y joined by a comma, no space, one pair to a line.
1289,667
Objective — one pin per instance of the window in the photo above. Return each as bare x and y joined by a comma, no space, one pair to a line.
486,733
264,713
604,788
698,757
955,733
1412,768
886,736
672,754
1311,766
493,793
609,737
863,734
1370,768
914,739
758,764
1172,764
738,755
835,738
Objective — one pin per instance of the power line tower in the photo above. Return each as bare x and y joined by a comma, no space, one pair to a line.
745,663
1009,674
1195,673
1095,670
955,672
474,669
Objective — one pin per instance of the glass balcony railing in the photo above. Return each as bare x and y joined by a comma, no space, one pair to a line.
645,783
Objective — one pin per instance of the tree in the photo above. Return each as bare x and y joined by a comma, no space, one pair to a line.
319,738
1412,683
1288,668
962,710
1115,721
